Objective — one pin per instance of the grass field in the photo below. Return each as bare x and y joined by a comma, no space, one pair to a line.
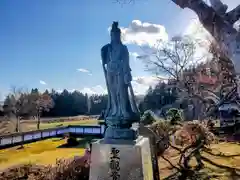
47,125
47,151
42,152
223,154
30,125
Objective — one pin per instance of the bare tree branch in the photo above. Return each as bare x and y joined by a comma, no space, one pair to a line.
170,58
233,15
16,104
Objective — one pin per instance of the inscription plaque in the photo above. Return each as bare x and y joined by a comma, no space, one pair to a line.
114,164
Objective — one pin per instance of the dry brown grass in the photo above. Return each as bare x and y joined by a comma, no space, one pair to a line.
222,154
69,169
8,126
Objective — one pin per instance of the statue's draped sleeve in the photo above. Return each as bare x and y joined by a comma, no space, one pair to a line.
127,68
104,52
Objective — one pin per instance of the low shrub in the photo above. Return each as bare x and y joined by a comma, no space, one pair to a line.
72,141
161,130
148,118
175,116
72,169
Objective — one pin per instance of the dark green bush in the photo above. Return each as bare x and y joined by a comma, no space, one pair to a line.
148,118
72,141
175,116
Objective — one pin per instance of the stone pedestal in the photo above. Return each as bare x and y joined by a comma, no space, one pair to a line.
121,160
115,133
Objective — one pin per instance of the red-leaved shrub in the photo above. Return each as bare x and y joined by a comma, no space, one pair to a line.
70,169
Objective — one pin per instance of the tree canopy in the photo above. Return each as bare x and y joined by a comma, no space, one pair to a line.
53,104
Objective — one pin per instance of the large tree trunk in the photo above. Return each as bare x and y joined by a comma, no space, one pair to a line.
220,26
17,124
215,24
233,15
38,121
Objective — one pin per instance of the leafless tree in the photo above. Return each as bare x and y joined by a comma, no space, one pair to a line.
16,104
170,58
225,73
40,102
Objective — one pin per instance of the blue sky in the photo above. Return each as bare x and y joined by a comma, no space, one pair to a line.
44,42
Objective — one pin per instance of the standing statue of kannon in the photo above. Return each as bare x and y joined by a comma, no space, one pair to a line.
121,109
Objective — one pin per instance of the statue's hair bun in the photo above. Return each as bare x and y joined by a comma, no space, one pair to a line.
115,27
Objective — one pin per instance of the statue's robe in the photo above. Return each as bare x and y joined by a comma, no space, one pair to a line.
116,70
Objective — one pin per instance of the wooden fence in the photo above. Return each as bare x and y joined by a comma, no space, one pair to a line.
26,137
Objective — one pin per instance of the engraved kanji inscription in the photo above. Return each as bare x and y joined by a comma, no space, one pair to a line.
114,164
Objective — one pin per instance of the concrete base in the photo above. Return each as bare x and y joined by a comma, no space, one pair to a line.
120,133
121,160
132,160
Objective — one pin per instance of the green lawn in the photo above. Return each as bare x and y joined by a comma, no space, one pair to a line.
65,123
42,152
31,125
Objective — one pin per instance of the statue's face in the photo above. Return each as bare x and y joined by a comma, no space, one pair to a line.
115,36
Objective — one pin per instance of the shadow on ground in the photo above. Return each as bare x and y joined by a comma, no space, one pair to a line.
206,174
211,169
81,143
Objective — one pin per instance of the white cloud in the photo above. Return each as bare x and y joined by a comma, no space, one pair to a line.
85,71
98,89
69,90
59,90
146,80
148,35
87,90
140,85
134,55
143,33
2,98
196,31
139,89
42,82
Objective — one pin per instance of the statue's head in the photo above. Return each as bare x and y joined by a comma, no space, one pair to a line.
115,33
